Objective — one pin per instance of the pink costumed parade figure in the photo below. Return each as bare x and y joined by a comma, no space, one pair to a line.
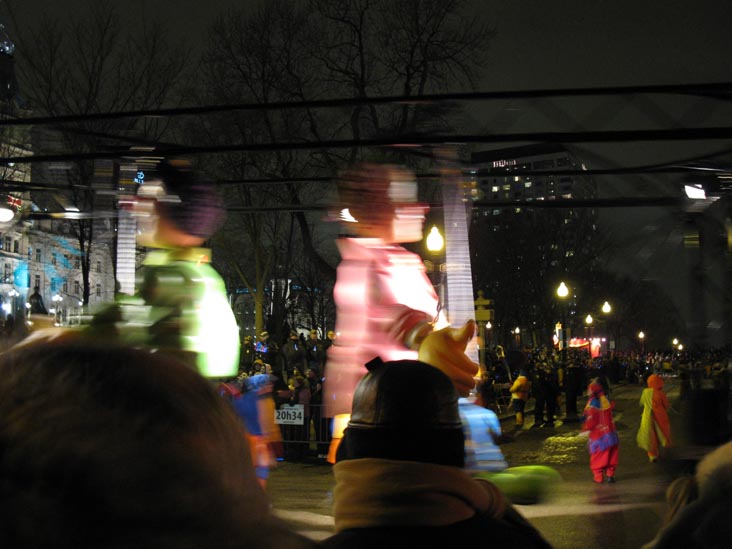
386,305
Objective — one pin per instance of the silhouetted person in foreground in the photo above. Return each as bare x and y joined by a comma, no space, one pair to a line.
114,447
399,474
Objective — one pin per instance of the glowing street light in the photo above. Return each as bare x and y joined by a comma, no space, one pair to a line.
435,244
562,290
642,338
588,320
435,241
681,347
6,214
57,299
562,293
675,342
606,308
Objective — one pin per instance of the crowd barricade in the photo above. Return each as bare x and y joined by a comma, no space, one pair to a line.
502,397
305,432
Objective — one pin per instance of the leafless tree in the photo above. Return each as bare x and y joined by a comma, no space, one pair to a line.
93,62
287,51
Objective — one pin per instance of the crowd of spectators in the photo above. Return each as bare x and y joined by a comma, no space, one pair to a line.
555,380
296,368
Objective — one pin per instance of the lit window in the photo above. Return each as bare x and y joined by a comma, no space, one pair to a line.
527,184
507,187
494,189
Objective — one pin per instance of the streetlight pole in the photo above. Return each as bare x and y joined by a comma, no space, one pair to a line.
57,299
435,245
642,338
562,293
13,293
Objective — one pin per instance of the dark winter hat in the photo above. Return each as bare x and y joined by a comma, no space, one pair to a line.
404,410
186,199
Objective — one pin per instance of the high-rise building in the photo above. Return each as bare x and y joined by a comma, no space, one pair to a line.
517,249
502,174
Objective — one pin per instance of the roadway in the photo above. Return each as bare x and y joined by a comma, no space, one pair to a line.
577,514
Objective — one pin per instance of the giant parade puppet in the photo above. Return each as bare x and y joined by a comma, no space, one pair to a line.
385,303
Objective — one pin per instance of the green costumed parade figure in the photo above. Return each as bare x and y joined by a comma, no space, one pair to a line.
181,306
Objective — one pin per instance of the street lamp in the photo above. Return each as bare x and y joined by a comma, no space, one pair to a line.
562,290
435,245
588,327
642,338
57,299
606,310
517,333
562,293
435,241
488,328
13,293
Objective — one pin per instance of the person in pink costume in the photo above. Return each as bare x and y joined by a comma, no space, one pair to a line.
386,305
599,426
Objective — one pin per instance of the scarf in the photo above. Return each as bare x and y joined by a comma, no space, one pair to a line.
379,492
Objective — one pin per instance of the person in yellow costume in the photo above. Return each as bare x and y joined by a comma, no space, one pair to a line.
654,432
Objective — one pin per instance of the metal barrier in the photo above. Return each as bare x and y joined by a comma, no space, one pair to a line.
305,432
502,396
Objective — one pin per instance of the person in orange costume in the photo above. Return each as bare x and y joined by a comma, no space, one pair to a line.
655,429
386,305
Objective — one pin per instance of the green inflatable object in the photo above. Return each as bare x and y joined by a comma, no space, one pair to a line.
526,484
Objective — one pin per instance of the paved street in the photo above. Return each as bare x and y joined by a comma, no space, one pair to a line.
578,513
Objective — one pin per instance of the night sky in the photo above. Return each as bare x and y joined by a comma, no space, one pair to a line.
539,44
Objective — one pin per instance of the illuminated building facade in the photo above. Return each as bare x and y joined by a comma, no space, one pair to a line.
499,180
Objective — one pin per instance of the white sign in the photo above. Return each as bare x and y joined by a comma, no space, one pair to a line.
290,415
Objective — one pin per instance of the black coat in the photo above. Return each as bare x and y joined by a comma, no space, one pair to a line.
478,531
